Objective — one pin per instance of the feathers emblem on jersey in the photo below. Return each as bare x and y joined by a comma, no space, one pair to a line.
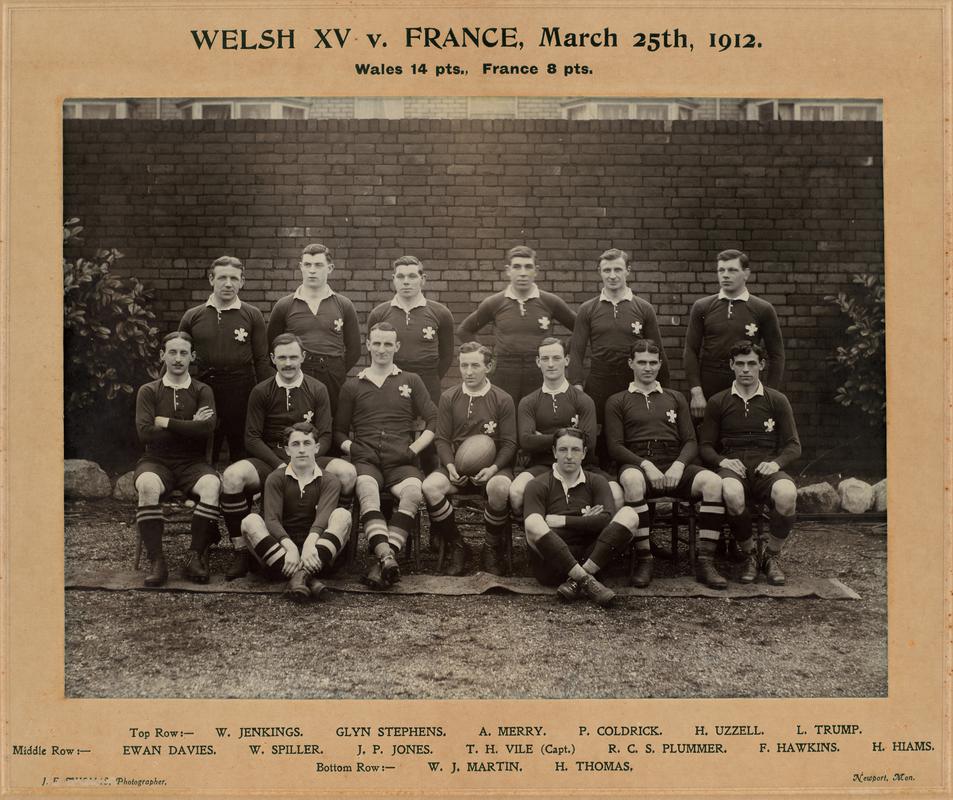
575,420
405,390
751,329
489,427
429,333
308,416
240,334
544,323
769,425
338,324
672,415
636,327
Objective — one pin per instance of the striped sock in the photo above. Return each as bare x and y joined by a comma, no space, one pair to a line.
375,526
234,510
401,524
204,527
150,522
711,516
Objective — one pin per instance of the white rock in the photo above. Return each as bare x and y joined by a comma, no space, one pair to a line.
818,497
84,479
880,495
856,496
125,488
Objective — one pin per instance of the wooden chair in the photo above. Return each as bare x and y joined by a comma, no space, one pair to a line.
682,511
410,552
474,501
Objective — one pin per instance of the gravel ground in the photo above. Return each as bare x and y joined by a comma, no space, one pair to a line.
170,644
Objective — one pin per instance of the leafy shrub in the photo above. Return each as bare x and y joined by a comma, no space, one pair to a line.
862,359
109,341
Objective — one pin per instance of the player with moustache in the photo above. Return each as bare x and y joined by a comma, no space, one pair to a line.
301,531
175,415
231,348
556,404
275,404
375,426
324,321
522,315
424,326
749,436
651,438
474,407
606,326
570,526
719,320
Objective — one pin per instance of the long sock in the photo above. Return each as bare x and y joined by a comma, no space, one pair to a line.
401,524
740,527
443,523
642,540
234,510
150,523
556,551
780,527
611,542
204,527
375,526
711,516
497,524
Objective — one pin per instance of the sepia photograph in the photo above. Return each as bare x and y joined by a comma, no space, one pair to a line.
474,397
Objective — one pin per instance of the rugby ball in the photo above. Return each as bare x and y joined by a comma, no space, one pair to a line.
474,453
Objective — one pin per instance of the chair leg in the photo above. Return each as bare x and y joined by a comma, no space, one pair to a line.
138,550
676,515
692,534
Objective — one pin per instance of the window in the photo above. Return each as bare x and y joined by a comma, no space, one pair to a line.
859,113
612,111
216,111
577,112
292,112
379,107
254,110
257,108
816,113
766,111
95,109
651,111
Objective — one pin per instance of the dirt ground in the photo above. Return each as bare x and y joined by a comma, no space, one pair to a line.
181,644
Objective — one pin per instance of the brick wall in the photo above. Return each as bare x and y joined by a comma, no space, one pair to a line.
805,200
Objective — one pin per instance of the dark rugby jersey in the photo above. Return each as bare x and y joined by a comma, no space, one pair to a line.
609,331
541,414
425,335
366,410
232,339
185,438
662,418
292,510
716,323
272,408
517,327
546,494
764,424
461,415
333,332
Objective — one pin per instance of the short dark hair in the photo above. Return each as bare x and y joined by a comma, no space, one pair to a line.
226,261
299,427
552,340
731,255
316,249
381,326
177,335
746,347
477,347
581,435
613,253
408,261
286,338
645,346
520,251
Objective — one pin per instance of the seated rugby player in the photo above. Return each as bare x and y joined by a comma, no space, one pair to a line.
474,407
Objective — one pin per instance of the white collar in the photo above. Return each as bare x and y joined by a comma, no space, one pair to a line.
758,393
479,392
745,296
367,375
655,387
324,294
561,389
508,293
626,295
171,385
293,385
304,480
420,302
580,478
236,303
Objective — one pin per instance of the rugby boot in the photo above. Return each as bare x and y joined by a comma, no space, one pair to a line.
771,566
569,590
706,573
297,587
599,594
158,572
749,569
390,569
660,552
374,579
642,576
195,568
238,566
492,559
315,587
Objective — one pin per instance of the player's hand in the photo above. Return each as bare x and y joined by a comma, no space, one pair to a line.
734,465
203,414
698,403
673,475
455,477
291,558
485,474
654,475
593,511
556,520
766,468
346,447
161,422
310,561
